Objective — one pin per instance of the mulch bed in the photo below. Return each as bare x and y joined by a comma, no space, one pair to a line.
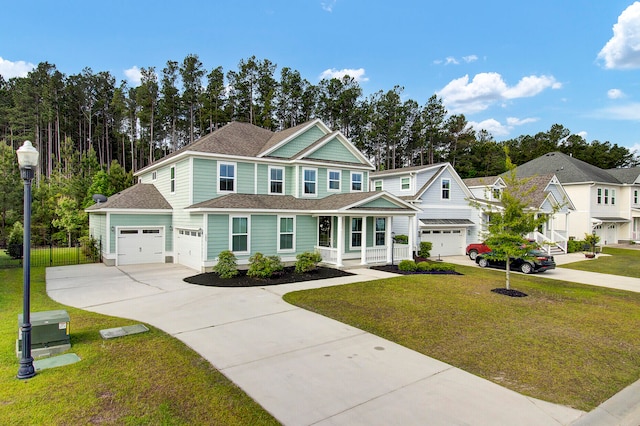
510,292
394,269
288,276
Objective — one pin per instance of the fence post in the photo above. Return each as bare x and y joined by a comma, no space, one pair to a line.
51,252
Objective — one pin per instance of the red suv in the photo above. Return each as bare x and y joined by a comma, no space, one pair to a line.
474,250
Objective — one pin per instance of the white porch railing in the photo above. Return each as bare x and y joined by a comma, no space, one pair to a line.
373,254
401,252
329,255
376,254
547,242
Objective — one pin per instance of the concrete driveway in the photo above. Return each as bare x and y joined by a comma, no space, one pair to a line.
302,367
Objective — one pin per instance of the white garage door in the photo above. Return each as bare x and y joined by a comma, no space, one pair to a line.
140,245
446,242
189,248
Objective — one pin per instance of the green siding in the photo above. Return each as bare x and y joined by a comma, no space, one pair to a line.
306,233
299,143
335,150
204,179
263,234
244,178
289,180
263,179
98,228
380,202
142,220
217,234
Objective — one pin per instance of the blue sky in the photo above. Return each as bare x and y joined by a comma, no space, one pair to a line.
511,67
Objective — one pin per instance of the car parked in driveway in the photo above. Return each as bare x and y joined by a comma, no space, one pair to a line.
535,261
475,249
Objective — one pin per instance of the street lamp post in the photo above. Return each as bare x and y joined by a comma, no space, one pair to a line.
28,162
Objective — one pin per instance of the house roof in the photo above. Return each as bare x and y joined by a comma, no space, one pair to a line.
566,168
404,170
628,175
481,181
140,196
445,222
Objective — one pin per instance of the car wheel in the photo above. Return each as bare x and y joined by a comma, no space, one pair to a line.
526,268
483,263
473,254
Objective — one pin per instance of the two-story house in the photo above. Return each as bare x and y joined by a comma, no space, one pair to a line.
446,218
606,201
247,189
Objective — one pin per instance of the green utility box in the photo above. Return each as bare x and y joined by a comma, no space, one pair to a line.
49,331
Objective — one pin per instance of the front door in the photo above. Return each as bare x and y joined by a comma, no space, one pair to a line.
324,231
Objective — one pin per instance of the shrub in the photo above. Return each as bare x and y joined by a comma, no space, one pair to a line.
90,247
424,266
407,265
15,241
401,239
227,266
425,249
307,261
574,246
261,266
435,266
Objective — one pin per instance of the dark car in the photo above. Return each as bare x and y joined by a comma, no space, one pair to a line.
535,261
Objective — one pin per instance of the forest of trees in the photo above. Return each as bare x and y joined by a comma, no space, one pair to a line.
93,132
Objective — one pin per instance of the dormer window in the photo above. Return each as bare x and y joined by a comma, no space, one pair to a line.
496,193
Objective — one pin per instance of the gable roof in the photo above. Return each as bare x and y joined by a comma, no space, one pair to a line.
483,181
142,196
405,170
628,175
566,168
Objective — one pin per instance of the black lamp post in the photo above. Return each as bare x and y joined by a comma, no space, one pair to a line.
28,162
393,240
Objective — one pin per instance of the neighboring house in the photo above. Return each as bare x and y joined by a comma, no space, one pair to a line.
247,189
542,194
446,217
606,202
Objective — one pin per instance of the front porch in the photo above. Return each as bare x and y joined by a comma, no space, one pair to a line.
372,256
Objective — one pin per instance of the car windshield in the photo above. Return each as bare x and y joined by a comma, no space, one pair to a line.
537,253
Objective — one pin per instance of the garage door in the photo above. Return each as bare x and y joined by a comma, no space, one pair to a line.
189,248
446,242
140,245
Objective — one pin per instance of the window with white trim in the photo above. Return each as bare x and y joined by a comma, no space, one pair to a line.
381,228
356,232
446,189
613,197
286,226
377,185
496,193
172,180
310,177
606,196
334,177
599,200
635,196
240,234
226,177
154,175
356,181
405,183
276,180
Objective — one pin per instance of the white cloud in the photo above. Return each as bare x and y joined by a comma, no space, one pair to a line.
615,94
464,96
134,75
492,126
327,6
622,51
10,69
357,75
630,111
513,121
451,60
583,134
470,58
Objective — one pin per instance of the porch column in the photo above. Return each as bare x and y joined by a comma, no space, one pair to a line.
363,244
412,235
389,239
340,245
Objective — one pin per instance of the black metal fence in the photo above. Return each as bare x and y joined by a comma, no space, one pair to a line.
53,254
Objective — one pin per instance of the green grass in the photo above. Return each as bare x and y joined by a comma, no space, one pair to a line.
148,378
625,262
566,343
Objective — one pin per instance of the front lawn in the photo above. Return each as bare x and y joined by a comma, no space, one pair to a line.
149,378
566,343
625,262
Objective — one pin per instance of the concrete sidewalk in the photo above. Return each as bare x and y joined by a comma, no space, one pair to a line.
302,367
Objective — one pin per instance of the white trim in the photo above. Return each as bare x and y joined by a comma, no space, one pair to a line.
351,182
304,194
269,181
172,180
293,234
235,177
442,188
381,185
248,217
351,232
329,180
410,183
375,231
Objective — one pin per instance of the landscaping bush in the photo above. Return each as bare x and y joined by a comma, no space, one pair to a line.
574,246
227,266
407,265
423,266
435,266
14,248
307,261
401,239
261,266
90,247
425,249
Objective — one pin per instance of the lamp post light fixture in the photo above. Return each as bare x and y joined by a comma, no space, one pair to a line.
28,162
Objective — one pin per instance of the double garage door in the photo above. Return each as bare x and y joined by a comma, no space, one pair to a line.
445,242
140,245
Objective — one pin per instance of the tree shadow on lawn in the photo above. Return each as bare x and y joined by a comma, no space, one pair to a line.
288,276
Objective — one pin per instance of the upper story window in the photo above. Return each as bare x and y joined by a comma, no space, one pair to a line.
172,179
599,199
227,177
405,183
356,181
635,196
613,197
334,180
154,175
496,193
377,185
606,196
310,184
446,189
276,180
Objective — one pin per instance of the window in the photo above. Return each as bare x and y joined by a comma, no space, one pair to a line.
240,234
356,181
154,175
285,231
276,180
226,177
405,183
334,180
606,196
496,193
356,232
446,189
613,197
381,227
377,185
309,181
635,197
599,195
172,180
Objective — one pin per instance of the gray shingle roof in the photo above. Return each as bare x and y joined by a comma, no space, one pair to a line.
566,168
140,196
627,175
405,170
480,181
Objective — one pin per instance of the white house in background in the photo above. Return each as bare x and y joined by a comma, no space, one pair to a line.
446,218
607,202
